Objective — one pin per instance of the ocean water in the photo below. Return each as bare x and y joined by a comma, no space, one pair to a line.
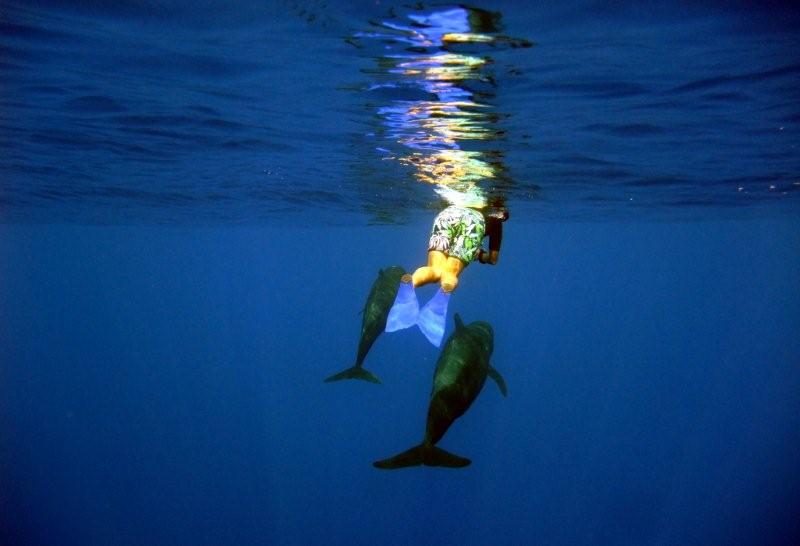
195,198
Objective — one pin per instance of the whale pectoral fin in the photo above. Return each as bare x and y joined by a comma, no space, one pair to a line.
501,383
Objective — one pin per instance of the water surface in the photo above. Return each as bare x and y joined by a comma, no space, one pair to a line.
240,113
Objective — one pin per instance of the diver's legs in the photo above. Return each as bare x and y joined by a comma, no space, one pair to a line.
452,269
433,271
431,319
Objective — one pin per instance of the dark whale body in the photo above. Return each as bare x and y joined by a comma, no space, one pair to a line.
380,300
461,371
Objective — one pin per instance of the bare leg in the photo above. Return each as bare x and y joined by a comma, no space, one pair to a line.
433,271
449,277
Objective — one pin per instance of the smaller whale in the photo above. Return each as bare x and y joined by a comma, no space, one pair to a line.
380,300
461,371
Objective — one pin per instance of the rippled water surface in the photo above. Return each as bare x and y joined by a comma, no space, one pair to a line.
215,111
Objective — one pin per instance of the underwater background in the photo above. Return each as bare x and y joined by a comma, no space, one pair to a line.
195,198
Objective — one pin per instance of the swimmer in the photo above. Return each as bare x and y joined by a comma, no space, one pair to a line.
456,241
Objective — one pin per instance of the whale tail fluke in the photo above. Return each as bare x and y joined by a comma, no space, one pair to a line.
422,454
356,372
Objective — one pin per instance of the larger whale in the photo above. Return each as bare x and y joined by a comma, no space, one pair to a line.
461,371
380,300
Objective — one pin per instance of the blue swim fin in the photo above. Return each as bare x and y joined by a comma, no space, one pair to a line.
432,316
405,310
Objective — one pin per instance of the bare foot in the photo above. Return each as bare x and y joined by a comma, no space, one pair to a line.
449,282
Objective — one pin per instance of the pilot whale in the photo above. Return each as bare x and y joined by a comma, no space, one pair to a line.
461,371
380,300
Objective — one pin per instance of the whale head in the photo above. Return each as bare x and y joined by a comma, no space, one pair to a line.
394,270
391,275
483,334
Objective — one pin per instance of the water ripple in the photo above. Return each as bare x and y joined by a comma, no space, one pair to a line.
385,110
750,77
34,33
625,130
602,89
95,104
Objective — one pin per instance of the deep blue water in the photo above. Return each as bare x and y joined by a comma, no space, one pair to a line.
195,198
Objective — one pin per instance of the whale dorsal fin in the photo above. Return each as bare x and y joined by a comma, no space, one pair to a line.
459,322
501,383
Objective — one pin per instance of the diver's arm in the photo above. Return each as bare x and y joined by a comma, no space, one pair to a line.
494,229
486,257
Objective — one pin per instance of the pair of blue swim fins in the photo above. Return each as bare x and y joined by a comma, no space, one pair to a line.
406,313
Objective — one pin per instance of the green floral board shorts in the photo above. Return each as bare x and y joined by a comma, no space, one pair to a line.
458,231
